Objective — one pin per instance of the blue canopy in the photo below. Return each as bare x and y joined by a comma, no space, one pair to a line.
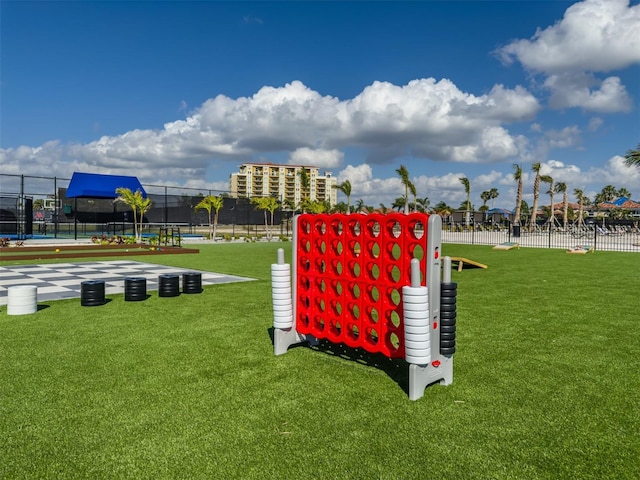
95,185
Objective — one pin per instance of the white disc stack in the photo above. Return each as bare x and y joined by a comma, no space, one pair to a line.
417,336
22,300
281,295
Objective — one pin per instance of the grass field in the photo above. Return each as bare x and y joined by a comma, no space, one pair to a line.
546,382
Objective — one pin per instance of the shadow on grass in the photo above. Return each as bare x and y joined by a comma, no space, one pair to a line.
397,369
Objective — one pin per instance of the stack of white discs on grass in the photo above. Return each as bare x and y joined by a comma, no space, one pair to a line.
22,300
417,337
281,295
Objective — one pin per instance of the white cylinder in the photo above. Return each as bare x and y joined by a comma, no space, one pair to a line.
281,295
417,344
411,330
417,331
22,300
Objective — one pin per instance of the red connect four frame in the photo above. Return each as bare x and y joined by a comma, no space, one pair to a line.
348,274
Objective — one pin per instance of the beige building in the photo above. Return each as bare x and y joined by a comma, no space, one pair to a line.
282,182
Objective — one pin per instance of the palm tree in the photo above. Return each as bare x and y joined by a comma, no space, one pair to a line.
517,175
561,187
267,204
138,203
623,192
493,194
485,196
536,195
414,192
443,210
579,194
360,206
467,188
549,179
632,157
399,203
305,183
384,208
404,177
423,204
345,187
212,204
608,194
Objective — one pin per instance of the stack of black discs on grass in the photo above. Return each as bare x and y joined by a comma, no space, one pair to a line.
168,285
135,289
448,293
92,293
191,282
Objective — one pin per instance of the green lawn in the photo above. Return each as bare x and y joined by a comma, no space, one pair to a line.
546,382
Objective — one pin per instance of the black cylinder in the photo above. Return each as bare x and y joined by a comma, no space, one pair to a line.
191,282
169,285
92,293
448,294
135,289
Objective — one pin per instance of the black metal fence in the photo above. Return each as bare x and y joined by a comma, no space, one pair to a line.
60,216
603,234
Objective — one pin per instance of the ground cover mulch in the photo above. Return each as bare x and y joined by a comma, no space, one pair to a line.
86,251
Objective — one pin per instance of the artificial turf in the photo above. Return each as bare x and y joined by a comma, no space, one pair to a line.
546,381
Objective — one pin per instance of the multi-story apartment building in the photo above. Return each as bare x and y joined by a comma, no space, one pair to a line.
282,182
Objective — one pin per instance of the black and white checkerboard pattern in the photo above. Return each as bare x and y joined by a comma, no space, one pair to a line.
63,280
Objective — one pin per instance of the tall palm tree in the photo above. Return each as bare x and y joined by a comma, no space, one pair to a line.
467,188
517,176
360,206
632,157
485,197
608,194
212,204
404,177
579,194
414,192
549,179
267,204
305,184
138,203
536,194
493,194
561,187
345,187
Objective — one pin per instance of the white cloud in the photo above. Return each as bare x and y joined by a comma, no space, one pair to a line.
585,91
594,124
565,138
431,119
593,36
319,158
616,173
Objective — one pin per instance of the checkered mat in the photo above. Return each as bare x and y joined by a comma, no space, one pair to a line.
63,280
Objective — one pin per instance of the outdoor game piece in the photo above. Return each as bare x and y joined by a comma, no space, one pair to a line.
57,281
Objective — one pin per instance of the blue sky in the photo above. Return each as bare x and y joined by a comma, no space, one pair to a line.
181,93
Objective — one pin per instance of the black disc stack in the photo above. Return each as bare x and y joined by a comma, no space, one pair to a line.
448,293
135,289
191,282
92,293
168,285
